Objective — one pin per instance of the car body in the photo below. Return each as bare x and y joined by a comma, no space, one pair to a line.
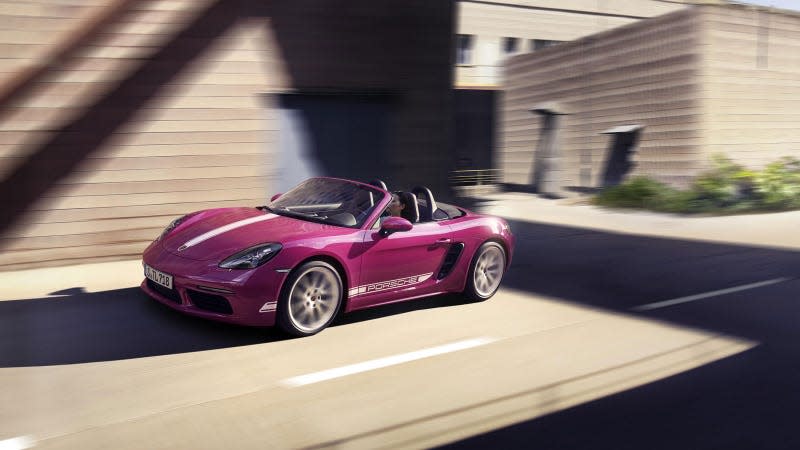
324,246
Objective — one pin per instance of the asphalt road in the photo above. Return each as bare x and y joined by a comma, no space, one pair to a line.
563,356
748,401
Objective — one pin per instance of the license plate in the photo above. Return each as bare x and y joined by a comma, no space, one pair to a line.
157,276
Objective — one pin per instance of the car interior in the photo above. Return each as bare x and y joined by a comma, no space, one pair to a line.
421,206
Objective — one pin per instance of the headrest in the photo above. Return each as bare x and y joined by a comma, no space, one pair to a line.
411,211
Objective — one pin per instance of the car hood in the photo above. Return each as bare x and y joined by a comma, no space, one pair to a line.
219,233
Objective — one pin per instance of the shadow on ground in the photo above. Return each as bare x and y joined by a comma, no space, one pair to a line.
747,401
102,326
79,327
618,271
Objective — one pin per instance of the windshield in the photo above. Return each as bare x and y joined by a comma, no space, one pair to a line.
330,201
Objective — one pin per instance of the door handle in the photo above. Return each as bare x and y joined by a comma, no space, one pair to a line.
443,241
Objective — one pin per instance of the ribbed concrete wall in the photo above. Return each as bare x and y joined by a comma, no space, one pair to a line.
141,174
706,80
645,73
751,83
398,47
172,108
565,20
32,30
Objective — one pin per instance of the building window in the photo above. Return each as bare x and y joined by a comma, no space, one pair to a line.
538,44
464,43
510,45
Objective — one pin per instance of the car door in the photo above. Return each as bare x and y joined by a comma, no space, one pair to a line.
401,265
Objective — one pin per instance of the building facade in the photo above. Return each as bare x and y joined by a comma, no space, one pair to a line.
117,116
488,33
656,98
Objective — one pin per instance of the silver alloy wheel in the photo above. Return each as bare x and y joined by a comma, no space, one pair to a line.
488,270
314,299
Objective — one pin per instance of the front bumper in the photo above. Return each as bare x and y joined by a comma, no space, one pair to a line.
202,289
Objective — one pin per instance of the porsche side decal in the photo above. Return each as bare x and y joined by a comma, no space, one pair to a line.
217,231
390,284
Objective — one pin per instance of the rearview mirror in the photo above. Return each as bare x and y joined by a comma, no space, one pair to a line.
393,224
275,197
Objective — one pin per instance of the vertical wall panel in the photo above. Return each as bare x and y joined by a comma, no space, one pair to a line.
752,84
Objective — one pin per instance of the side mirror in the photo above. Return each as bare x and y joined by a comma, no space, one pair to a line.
393,224
275,197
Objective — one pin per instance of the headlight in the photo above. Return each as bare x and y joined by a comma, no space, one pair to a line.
252,257
171,226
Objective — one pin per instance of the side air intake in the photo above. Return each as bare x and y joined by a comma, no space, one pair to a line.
450,260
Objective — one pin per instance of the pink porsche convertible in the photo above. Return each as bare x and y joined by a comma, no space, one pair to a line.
326,245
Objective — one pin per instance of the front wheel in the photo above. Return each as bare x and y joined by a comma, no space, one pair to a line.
310,299
485,271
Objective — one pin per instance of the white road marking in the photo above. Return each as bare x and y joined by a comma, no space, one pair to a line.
17,443
692,298
379,363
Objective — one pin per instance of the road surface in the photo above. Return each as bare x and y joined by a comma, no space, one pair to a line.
595,340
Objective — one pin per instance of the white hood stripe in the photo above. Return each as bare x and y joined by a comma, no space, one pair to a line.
217,231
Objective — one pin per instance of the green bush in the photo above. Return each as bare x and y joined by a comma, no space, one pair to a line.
639,192
778,185
725,185
674,201
726,188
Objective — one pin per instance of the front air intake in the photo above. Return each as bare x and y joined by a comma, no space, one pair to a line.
210,302
170,294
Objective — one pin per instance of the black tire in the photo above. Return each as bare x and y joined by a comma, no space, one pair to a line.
485,271
310,299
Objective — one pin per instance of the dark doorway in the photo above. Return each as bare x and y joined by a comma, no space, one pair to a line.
618,160
474,127
341,135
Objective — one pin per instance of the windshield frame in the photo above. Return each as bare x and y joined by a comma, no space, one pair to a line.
330,201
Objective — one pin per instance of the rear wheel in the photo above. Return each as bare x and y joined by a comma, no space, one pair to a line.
485,271
310,299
